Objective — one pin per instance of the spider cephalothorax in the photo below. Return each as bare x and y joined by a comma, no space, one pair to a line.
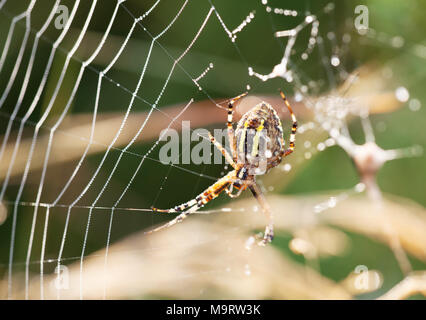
257,147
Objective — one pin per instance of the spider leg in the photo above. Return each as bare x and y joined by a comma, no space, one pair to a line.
231,188
180,208
193,205
292,139
178,219
269,230
223,150
231,135
285,152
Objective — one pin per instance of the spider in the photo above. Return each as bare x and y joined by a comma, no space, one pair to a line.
258,130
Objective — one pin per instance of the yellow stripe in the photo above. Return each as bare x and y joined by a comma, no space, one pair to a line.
243,137
241,174
256,139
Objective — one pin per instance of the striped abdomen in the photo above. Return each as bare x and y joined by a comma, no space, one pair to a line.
259,135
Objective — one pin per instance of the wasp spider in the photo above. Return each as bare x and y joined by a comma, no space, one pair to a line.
257,146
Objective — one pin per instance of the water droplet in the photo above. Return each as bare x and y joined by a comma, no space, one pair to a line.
346,38
360,187
287,167
402,94
332,202
414,105
309,19
329,7
320,146
289,77
335,61
298,97
330,142
334,132
397,41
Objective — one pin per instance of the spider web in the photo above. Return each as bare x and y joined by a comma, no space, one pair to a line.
125,57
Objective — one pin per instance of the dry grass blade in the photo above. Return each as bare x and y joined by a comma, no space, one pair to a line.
205,257
196,259
411,285
356,214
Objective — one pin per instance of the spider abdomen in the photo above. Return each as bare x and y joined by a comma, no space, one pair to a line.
259,137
